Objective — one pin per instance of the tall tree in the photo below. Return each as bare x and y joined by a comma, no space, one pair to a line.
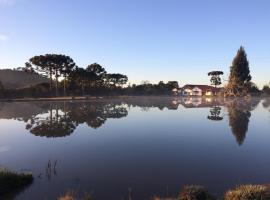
43,65
239,74
54,65
29,68
97,74
116,79
66,65
80,77
215,77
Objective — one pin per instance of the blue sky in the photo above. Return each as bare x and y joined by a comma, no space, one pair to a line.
145,39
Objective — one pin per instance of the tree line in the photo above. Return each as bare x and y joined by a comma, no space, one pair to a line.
66,78
63,72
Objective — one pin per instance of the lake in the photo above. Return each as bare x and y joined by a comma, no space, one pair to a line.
137,146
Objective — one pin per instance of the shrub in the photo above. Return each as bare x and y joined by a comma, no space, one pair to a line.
194,192
248,192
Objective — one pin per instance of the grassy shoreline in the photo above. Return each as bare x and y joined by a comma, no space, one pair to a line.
12,181
197,192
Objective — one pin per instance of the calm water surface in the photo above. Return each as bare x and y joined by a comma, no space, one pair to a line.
137,146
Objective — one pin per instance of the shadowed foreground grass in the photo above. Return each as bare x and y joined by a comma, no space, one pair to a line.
72,196
248,192
12,181
242,192
197,192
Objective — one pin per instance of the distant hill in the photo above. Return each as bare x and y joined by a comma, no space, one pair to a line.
13,79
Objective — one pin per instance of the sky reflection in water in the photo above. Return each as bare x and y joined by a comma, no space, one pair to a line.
146,145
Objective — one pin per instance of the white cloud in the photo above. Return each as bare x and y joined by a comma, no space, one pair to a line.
3,38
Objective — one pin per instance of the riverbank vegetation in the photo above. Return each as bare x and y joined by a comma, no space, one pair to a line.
11,181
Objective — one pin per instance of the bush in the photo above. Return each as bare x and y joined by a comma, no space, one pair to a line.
248,192
10,181
194,192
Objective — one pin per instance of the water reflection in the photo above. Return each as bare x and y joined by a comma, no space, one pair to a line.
95,115
60,119
239,113
215,114
53,124
266,103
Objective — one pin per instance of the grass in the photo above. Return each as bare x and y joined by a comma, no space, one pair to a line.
70,195
248,192
194,192
12,181
197,192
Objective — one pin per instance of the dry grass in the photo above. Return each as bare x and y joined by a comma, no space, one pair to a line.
70,195
197,192
248,192
194,192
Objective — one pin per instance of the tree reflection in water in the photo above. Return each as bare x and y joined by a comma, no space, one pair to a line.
239,113
62,119
53,124
215,113
95,115
266,103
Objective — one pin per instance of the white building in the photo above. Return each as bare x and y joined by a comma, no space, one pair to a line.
199,90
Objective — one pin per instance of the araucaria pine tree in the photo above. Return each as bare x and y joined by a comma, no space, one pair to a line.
239,79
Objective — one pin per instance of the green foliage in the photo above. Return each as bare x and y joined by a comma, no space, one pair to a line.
147,88
79,77
116,79
239,75
215,77
54,65
194,192
240,67
172,85
10,181
248,192
252,88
